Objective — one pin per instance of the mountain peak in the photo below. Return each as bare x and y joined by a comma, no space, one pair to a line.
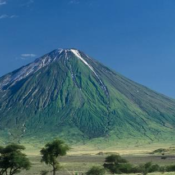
56,54
42,62
67,49
64,50
60,52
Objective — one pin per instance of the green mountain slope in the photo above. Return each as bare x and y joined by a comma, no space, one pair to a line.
67,94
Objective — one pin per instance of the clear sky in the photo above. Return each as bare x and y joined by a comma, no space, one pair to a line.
133,37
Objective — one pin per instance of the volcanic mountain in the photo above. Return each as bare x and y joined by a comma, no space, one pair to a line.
69,95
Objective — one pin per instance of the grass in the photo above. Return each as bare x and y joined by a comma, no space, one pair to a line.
95,146
82,161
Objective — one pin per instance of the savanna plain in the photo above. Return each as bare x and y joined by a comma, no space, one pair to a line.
78,161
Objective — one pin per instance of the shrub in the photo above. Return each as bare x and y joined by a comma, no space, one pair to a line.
170,168
163,157
117,164
149,168
96,171
44,172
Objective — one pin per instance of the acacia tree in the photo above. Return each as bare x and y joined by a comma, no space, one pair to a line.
52,151
117,164
12,160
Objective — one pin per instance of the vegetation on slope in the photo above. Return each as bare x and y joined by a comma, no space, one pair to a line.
66,98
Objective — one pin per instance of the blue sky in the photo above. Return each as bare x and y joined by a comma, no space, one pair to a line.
133,37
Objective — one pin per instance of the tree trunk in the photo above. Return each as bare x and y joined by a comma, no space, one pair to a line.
54,170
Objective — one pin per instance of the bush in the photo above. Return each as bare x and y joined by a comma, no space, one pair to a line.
149,168
44,172
117,164
163,157
96,171
170,168
160,150
162,169
126,168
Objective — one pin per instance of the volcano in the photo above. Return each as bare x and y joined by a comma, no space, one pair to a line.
69,95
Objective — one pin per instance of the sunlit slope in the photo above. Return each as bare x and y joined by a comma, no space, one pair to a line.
67,94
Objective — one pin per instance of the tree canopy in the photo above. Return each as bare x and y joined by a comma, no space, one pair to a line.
52,151
117,164
12,160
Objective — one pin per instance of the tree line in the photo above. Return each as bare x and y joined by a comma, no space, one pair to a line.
13,161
